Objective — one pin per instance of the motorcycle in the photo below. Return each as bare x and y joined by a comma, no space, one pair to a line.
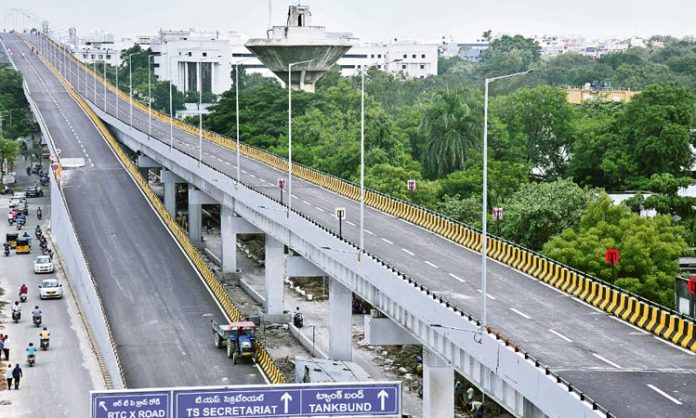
23,297
37,320
19,226
44,344
38,214
10,219
298,319
7,251
16,316
31,360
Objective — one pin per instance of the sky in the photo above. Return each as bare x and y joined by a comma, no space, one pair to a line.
375,20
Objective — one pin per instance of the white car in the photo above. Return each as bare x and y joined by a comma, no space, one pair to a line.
50,288
43,264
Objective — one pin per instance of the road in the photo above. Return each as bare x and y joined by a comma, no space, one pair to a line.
63,375
157,305
586,346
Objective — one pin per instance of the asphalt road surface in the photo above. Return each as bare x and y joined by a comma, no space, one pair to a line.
157,305
627,370
59,383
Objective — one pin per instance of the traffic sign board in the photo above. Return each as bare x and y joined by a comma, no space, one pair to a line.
302,400
612,256
150,404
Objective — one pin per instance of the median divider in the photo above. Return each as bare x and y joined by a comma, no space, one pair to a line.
673,326
264,359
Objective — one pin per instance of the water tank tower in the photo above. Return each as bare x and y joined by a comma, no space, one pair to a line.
299,41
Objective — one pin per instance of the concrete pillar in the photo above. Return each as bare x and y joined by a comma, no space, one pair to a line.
438,386
170,180
273,285
195,217
340,321
229,240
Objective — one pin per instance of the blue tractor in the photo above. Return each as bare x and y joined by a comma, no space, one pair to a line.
240,339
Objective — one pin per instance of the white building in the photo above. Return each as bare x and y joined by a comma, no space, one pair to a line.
179,55
413,59
98,47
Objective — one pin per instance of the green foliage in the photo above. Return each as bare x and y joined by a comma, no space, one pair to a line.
467,209
9,150
535,128
14,108
649,249
452,128
538,211
510,54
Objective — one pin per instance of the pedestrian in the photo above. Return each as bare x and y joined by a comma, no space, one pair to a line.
458,393
480,411
2,346
29,170
470,395
6,348
17,375
8,376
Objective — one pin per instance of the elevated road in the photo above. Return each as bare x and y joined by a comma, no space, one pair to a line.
625,369
157,306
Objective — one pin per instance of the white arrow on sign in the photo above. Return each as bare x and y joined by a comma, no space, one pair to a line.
286,398
102,405
382,395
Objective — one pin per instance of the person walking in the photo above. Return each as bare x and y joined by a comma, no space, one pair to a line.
28,170
6,348
17,375
8,376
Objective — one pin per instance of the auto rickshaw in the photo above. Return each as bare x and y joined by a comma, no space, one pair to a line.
23,246
11,239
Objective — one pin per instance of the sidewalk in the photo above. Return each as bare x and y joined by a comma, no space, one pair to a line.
315,313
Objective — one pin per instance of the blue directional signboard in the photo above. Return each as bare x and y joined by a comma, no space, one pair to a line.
131,404
300,400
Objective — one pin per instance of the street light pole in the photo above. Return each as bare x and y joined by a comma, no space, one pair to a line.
171,108
95,81
236,94
149,97
484,211
130,86
290,65
200,113
104,63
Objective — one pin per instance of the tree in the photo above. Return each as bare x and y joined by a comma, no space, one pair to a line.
538,211
14,108
9,150
392,180
649,249
504,179
466,210
452,127
655,128
538,125
510,54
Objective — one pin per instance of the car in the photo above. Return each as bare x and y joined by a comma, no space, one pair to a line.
34,191
50,288
43,264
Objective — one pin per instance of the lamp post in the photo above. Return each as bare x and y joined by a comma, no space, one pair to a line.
118,67
149,97
290,65
130,86
484,211
362,156
95,80
171,108
200,111
104,62
236,94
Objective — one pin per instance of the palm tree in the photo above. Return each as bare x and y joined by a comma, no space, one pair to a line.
452,128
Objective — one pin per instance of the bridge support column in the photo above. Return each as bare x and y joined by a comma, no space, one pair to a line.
273,286
438,386
340,321
145,163
230,226
170,181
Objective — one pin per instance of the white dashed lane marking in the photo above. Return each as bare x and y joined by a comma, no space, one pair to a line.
387,241
407,251
455,277
665,394
431,264
561,336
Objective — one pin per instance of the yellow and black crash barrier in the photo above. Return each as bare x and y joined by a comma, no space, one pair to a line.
264,359
659,320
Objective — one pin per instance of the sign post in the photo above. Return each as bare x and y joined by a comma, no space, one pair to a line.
281,186
498,216
691,287
612,256
411,185
341,215
373,399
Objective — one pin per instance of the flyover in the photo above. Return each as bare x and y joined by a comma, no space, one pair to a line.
157,305
417,277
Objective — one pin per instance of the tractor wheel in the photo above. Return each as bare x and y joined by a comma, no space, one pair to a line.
230,349
218,341
234,358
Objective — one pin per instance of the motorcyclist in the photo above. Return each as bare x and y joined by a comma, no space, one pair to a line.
38,213
16,307
7,249
23,290
31,352
36,313
44,335
27,237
